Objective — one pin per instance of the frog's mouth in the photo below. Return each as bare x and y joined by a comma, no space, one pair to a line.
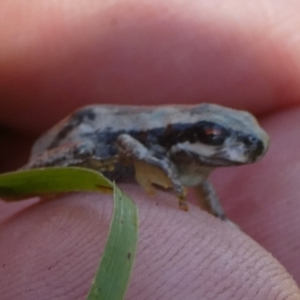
215,160
235,154
218,162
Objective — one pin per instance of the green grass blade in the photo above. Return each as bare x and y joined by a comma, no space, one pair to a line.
113,275
48,181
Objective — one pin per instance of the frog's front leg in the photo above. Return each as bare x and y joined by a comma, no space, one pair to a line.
150,169
211,199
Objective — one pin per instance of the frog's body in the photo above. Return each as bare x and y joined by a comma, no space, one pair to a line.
168,145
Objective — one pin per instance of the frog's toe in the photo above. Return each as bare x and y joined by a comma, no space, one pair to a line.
183,204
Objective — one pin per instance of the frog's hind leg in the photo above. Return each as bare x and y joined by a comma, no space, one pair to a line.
64,155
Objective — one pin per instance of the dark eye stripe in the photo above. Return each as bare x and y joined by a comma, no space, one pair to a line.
208,133
204,132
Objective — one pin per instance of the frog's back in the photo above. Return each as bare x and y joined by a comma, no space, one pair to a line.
85,122
107,121
73,128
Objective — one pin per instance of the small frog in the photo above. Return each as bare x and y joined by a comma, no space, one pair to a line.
174,146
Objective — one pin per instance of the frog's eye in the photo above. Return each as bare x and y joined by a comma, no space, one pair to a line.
211,133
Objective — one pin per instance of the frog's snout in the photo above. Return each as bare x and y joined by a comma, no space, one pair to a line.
257,146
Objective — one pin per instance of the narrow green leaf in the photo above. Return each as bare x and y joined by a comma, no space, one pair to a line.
38,182
113,275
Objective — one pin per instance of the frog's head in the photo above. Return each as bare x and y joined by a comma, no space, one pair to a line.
220,136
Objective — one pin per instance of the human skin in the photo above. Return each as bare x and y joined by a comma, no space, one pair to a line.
56,56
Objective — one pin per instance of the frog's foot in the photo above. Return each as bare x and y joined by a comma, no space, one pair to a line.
149,169
183,203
